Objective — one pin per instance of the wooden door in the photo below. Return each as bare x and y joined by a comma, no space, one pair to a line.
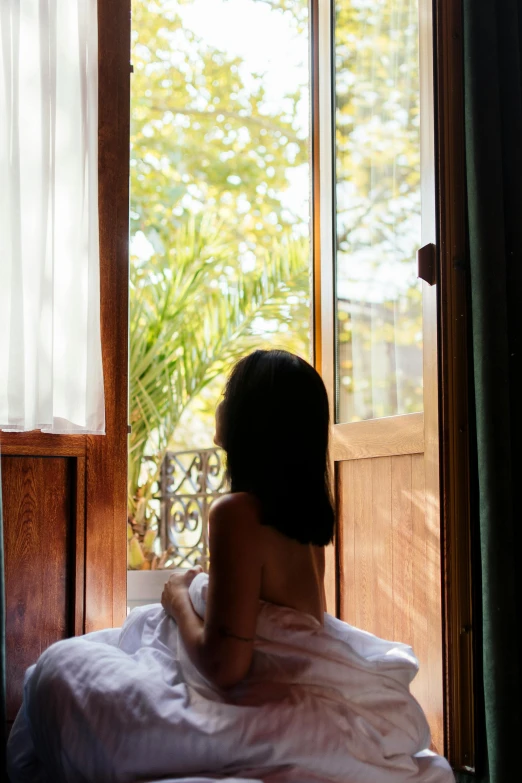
384,574
65,496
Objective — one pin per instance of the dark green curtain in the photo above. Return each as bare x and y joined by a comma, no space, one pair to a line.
493,120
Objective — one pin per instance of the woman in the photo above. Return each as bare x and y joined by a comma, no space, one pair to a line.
241,675
267,536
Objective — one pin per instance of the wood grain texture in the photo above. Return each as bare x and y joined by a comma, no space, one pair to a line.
330,586
78,547
431,576
402,543
382,544
363,544
106,480
422,599
346,541
379,437
42,444
389,575
454,382
38,496
429,478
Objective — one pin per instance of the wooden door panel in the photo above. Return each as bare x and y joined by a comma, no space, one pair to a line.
39,531
382,543
389,565
106,465
438,534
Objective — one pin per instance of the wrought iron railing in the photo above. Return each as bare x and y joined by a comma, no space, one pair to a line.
189,482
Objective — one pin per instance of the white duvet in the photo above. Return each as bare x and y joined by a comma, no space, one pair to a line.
320,703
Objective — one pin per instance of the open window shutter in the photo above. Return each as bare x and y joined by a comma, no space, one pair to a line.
401,565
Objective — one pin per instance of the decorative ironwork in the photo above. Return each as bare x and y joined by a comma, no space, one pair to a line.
189,483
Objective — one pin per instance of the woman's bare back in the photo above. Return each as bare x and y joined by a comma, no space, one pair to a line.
292,574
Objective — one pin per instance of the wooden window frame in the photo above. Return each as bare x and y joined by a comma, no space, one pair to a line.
454,363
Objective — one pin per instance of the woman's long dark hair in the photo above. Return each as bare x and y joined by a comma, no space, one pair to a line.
275,426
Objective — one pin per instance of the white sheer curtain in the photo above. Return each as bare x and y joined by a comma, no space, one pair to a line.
50,347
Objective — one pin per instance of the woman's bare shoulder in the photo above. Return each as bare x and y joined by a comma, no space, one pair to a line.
235,529
236,515
241,506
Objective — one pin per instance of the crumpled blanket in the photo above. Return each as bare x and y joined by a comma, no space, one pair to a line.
321,703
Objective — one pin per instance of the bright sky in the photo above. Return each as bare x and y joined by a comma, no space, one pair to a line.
266,39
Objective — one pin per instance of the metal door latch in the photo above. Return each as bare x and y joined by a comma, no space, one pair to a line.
427,263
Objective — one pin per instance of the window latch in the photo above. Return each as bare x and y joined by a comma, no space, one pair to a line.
427,263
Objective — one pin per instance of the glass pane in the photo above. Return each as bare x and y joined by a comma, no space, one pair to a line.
378,212
219,240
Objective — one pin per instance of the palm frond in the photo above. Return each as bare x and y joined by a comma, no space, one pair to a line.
190,319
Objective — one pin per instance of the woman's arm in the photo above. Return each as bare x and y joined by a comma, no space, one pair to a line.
221,647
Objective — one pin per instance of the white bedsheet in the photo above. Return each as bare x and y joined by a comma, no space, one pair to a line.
320,703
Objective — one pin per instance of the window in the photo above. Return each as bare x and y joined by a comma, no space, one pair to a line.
378,210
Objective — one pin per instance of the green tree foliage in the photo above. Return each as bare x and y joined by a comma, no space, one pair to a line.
191,317
211,160
377,101
377,133
209,165
378,204
202,139
377,123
